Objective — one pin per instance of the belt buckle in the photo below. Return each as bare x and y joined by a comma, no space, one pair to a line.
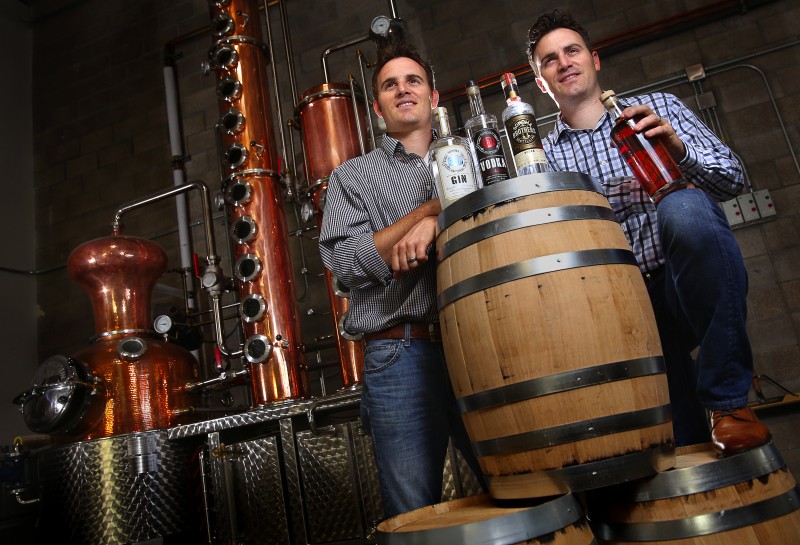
432,333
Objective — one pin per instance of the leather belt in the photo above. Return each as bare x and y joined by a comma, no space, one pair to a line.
418,330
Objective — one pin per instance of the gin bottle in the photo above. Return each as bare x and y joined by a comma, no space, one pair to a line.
451,161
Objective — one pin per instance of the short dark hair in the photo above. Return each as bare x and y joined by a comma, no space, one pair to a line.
549,22
397,51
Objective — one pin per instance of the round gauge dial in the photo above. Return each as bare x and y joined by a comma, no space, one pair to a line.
163,324
380,25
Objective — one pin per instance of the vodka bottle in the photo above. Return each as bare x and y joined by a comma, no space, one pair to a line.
651,163
485,139
451,161
520,124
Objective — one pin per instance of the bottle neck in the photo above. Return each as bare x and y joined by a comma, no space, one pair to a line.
475,102
614,106
512,98
443,126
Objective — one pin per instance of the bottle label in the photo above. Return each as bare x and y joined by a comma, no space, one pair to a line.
527,158
524,136
456,177
489,151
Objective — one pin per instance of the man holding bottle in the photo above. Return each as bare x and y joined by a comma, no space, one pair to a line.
688,255
377,229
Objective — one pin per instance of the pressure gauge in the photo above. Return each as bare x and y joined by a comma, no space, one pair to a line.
306,211
163,324
380,26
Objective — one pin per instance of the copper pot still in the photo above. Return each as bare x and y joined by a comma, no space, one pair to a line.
330,137
140,377
254,196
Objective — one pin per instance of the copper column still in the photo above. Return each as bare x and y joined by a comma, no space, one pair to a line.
142,375
255,204
330,137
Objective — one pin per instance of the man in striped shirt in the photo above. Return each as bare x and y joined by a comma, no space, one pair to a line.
686,251
377,228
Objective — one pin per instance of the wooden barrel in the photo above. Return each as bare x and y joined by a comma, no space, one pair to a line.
747,499
550,338
477,520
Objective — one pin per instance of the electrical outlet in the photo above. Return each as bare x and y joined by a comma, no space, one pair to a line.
747,204
732,212
764,203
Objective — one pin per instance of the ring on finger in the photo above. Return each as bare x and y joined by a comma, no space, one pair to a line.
411,260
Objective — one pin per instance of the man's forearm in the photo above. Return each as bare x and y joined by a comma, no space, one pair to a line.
386,238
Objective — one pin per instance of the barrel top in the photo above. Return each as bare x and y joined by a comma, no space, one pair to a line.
502,527
515,188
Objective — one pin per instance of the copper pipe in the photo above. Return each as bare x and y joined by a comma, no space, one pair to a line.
338,47
362,63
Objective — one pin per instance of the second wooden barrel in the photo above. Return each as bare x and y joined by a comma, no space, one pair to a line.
747,499
550,338
478,521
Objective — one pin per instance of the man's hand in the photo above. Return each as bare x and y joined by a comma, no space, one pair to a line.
412,250
402,240
651,125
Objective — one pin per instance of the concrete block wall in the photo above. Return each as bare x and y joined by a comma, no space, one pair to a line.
100,130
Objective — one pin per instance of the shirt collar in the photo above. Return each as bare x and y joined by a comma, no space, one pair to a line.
561,126
393,146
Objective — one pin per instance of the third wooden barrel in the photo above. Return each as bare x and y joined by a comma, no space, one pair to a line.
550,338
477,520
747,499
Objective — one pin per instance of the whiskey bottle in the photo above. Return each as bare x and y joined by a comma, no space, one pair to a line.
523,134
450,159
651,163
485,139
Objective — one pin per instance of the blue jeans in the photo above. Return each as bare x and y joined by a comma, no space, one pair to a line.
701,301
408,407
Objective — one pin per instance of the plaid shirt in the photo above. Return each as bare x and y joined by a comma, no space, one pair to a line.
708,164
365,195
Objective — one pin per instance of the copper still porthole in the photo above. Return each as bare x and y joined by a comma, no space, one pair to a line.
253,308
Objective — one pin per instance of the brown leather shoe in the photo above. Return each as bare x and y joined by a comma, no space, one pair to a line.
737,430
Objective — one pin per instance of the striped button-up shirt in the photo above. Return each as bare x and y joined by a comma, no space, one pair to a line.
365,195
708,164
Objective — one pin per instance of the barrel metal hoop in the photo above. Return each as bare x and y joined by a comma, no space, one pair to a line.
576,431
515,188
533,267
521,220
562,382
701,525
588,476
517,527
728,471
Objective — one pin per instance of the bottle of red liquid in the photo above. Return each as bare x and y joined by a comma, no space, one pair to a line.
656,170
